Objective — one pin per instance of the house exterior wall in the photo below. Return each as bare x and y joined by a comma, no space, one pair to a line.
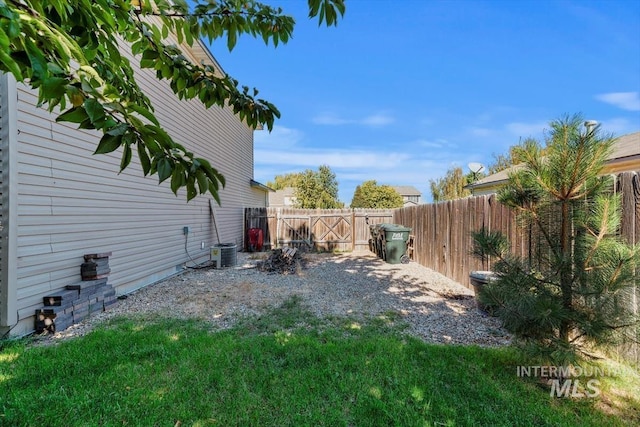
8,205
70,202
284,197
487,190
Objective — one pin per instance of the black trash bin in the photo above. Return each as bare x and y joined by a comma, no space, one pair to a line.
373,240
377,237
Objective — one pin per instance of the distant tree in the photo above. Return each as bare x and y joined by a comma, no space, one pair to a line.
284,181
500,163
451,186
574,290
373,196
317,189
505,161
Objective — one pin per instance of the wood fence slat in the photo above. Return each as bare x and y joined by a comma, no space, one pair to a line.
628,185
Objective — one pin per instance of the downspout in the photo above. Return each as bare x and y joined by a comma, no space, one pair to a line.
9,205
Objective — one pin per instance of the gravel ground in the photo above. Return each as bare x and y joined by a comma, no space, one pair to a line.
358,285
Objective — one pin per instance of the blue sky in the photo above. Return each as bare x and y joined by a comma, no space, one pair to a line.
400,91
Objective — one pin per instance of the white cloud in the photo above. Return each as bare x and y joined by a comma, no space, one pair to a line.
477,131
374,120
330,119
282,147
623,100
526,129
437,143
619,126
402,166
427,121
280,136
352,159
377,120
413,162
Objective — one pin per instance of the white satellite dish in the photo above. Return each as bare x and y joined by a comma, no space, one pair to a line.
476,167
590,124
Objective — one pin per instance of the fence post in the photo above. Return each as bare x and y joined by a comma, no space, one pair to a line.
277,226
353,230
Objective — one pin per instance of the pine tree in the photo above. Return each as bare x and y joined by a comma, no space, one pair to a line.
573,290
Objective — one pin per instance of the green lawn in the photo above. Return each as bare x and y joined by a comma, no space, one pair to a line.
284,369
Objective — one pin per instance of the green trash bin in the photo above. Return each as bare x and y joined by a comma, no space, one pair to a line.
394,246
379,240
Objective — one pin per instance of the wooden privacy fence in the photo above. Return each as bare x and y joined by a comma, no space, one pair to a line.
443,236
317,229
443,230
442,233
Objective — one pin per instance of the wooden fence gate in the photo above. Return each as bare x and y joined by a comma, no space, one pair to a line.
317,229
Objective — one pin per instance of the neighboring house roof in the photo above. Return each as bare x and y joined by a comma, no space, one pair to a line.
625,157
256,184
407,190
497,178
626,154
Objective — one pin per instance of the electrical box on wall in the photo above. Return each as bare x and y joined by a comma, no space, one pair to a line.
185,230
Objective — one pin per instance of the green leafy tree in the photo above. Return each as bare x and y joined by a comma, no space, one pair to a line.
371,195
284,181
451,186
317,189
500,163
573,291
69,51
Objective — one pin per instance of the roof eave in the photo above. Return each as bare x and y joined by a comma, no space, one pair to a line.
256,184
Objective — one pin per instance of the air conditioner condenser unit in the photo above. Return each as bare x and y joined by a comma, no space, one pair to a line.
224,255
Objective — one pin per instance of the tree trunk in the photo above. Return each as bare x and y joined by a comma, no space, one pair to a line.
565,270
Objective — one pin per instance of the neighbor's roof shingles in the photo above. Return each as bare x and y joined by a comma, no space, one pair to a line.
626,148
407,190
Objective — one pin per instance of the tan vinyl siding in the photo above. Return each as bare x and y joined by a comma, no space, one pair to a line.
8,203
72,203
258,198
